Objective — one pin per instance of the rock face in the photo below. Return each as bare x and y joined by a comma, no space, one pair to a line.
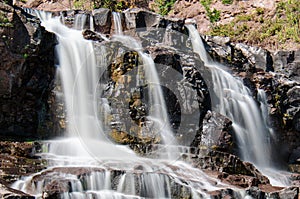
217,133
229,166
27,71
19,159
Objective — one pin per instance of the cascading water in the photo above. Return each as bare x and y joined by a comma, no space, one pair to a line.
158,111
231,98
86,163
117,23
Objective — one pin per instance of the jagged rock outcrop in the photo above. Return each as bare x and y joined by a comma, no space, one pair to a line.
216,133
27,71
230,166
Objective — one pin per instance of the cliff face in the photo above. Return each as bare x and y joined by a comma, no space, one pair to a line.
27,71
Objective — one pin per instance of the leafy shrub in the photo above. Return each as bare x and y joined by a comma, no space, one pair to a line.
227,2
214,14
164,6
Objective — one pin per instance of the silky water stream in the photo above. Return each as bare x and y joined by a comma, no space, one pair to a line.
250,122
85,163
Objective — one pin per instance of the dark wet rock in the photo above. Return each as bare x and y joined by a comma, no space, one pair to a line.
91,35
241,56
217,133
27,69
295,156
102,20
230,165
19,159
140,18
287,62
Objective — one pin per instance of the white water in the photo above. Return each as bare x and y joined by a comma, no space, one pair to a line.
86,146
80,21
157,106
79,75
117,23
234,100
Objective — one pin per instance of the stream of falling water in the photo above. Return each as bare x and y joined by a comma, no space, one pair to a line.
234,100
86,163
158,111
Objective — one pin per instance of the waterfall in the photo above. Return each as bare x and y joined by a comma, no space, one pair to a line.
158,111
233,99
79,75
85,163
117,23
80,21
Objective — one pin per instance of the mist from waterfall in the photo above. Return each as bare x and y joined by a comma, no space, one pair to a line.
233,99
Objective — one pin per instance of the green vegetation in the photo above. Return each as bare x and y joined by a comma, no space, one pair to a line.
164,6
257,28
227,2
4,21
79,4
114,5
212,14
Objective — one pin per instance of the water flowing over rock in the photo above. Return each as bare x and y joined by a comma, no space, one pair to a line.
114,107
274,72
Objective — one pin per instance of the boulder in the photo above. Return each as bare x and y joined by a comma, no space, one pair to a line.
229,164
217,133
287,62
91,35
140,18
102,20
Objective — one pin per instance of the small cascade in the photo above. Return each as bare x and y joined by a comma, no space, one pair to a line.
233,99
92,23
117,23
262,99
141,179
157,108
80,21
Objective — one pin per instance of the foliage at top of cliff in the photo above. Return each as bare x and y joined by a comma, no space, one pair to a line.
266,23
279,30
